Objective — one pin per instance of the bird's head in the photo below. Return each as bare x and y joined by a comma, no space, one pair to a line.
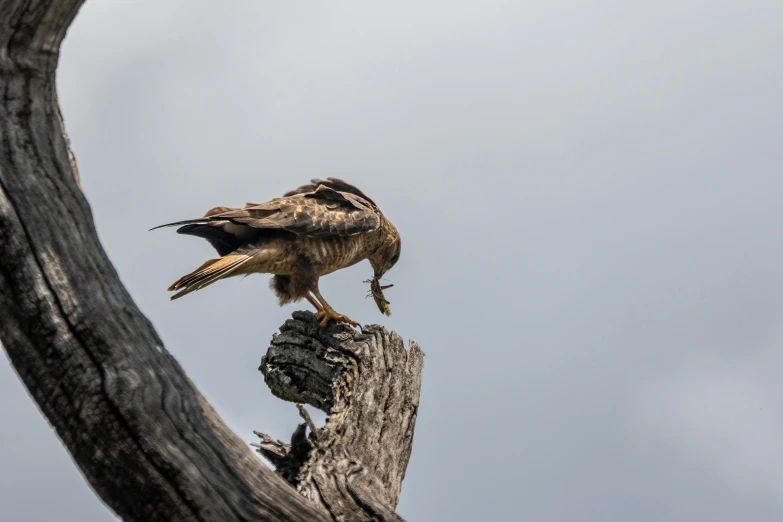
387,255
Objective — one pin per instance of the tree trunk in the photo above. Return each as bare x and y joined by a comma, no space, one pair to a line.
142,434
369,386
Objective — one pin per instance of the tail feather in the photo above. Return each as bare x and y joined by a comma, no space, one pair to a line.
208,273
222,241
198,221
183,281
183,222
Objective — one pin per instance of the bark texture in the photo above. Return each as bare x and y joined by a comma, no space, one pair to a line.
138,429
368,384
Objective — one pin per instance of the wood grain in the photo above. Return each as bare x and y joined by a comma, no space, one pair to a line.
143,436
369,385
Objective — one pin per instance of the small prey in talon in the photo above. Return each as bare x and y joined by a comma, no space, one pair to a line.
310,232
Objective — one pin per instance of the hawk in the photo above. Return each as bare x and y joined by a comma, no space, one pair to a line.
311,231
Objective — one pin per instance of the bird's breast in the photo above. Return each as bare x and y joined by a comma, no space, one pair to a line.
335,252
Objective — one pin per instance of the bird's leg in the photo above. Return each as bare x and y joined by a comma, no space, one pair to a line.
314,302
326,313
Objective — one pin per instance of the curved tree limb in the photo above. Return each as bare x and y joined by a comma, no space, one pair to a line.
143,436
141,433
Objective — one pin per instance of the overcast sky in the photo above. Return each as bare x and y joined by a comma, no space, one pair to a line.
590,199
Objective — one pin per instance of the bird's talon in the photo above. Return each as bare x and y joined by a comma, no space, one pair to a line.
326,315
348,320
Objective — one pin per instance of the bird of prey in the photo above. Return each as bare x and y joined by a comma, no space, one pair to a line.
311,231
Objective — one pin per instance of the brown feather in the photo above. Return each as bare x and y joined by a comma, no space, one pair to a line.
216,210
221,239
208,273
332,183
325,208
324,212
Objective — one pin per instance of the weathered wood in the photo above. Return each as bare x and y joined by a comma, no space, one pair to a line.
368,384
142,435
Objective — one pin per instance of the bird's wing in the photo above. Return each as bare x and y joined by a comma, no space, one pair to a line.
320,212
332,183
323,211
216,234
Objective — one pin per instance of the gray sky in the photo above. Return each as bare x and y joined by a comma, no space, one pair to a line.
590,199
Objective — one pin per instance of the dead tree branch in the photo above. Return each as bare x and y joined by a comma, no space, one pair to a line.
142,435
368,384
